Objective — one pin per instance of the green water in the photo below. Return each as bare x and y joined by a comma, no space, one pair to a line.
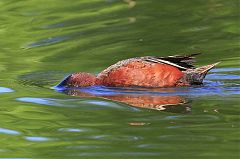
43,41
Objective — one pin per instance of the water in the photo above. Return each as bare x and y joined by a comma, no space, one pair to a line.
44,41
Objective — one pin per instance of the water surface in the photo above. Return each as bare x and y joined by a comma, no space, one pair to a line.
41,42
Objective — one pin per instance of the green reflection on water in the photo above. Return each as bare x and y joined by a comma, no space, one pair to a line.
42,41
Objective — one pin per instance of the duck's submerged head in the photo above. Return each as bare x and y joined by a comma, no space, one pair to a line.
80,79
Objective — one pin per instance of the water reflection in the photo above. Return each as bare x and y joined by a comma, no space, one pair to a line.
43,101
37,138
8,131
5,90
162,103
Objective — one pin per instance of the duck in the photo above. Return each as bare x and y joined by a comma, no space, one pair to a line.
146,71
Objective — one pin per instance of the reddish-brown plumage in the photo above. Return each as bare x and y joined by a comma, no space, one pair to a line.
140,73
145,71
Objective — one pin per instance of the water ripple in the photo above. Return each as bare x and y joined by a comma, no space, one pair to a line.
44,42
5,90
224,70
223,76
37,138
72,130
8,131
45,101
187,138
116,138
72,103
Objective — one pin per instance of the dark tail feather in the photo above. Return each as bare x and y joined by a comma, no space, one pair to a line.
196,76
184,61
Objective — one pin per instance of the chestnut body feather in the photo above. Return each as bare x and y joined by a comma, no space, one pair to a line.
145,71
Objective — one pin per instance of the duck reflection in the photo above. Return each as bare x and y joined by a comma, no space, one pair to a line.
175,104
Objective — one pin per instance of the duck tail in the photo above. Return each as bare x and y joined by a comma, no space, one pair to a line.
196,76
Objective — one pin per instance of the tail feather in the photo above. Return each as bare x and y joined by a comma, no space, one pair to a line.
196,76
183,62
205,69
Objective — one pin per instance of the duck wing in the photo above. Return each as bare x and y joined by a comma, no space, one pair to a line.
183,62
